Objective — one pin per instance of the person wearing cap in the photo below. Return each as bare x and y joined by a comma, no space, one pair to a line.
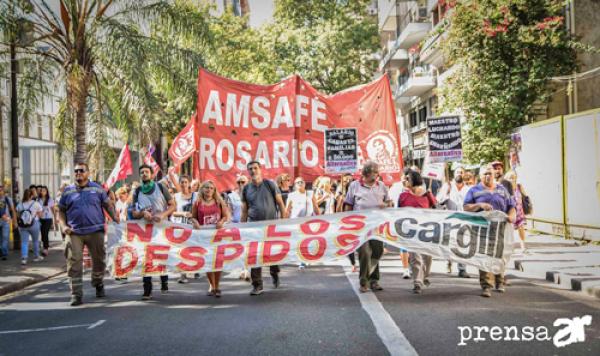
499,177
486,196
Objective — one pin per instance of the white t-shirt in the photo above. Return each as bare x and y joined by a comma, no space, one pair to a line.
183,205
456,196
301,204
121,208
47,209
33,207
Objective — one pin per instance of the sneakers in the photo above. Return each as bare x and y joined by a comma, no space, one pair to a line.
302,267
486,293
256,291
183,279
363,289
164,288
463,274
276,281
23,261
76,300
500,289
375,286
147,291
406,274
426,282
147,296
417,289
38,259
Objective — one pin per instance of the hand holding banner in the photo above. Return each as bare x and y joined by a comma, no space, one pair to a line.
135,248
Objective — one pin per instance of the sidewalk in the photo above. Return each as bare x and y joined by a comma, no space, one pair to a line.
14,276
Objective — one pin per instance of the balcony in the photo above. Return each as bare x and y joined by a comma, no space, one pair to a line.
394,57
413,27
400,101
431,52
418,83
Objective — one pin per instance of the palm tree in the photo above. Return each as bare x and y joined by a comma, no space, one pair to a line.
104,54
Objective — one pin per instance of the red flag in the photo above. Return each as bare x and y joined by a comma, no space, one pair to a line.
122,169
183,145
149,160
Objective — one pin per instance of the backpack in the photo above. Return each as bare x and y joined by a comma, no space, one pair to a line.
25,218
137,191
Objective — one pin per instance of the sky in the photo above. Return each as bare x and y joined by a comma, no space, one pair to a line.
261,11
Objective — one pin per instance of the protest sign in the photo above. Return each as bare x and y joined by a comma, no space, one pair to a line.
445,140
283,126
341,151
482,240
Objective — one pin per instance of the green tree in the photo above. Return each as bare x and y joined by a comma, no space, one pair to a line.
505,52
330,43
104,55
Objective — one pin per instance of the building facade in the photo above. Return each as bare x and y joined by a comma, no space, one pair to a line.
411,32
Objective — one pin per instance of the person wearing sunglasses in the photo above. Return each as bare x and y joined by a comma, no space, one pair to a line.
234,199
81,217
486,196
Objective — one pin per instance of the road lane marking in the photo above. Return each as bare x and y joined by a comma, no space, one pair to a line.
54,328
387,330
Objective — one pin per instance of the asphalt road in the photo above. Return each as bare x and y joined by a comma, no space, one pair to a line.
315,312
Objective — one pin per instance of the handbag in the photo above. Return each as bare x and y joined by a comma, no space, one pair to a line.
526,201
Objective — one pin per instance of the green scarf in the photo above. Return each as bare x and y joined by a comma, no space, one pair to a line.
147,186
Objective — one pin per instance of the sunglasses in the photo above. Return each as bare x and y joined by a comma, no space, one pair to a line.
241,182
79,170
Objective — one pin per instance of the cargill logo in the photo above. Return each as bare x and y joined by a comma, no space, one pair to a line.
571,331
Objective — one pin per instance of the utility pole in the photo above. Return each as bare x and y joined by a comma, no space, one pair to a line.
14,121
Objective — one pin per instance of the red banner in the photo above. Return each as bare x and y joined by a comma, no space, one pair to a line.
149,160
282,126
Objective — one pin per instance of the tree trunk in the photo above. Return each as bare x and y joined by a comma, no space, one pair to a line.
78,85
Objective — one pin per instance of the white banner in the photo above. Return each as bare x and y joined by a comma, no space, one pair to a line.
483,240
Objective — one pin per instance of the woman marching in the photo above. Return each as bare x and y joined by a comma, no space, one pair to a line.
46,219
29,212
210,210
522,204
420,263
185,200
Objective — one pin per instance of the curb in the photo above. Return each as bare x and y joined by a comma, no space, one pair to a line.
16,286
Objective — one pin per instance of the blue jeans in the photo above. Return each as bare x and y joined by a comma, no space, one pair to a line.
34,232
4,237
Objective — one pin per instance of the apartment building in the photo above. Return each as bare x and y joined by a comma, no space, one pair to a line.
410,34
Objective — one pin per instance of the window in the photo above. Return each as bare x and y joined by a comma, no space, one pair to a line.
422,114
413,119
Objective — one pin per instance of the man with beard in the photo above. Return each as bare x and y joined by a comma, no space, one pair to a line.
452,195
81,218
499,177
487,196
153,203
